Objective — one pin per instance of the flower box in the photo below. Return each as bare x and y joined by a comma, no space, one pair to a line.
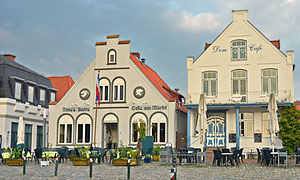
147,160
72,157
81,162
123,162
14,162
155,157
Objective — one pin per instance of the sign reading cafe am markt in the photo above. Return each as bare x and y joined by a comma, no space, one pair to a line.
153,107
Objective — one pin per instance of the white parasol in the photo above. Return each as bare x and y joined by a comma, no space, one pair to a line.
20,131
201,126
273,120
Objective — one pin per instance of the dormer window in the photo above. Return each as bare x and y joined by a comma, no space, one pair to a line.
18,88
238,50
112,57
42,96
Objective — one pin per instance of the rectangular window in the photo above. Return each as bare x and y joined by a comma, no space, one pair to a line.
269,81
39,137
28,136
232,138
257,138
121,92
265,124
62,133
87,133
116,93
239,50
210,83
154,132
106,93
30,93
69,133
162,132
101,93
80,133
134,132
18,88
247,124
112,58
14,135
52,98
42,96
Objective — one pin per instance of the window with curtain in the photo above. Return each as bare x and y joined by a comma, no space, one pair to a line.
18,90
246,124
158,126
269,81
265,124
104,90
118,91
84,129
238,50
210,83
28,136
65,129
136,121
239,82
39,137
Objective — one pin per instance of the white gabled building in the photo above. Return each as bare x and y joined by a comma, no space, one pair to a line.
237,72
130,91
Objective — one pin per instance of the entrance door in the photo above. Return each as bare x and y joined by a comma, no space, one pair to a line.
111,135
215,136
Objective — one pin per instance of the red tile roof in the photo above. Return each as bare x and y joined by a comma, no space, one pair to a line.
100,43
159,83
275,42
206,45
62,84
124,42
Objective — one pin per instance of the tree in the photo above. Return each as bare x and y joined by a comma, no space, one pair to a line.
290,128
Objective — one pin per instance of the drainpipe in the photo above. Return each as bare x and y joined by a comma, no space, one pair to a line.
188,128
237,120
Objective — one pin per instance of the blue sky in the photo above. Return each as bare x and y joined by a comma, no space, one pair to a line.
58,37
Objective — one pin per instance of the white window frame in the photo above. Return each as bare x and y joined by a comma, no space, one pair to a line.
43,100
84,120
159,118
136,119
52,96
269,78
209,80
239,82
65,120
18,90
238,49
30,94
118,83
265,128
104,83
245,120
109,54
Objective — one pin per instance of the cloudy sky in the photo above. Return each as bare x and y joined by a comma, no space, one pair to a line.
58,37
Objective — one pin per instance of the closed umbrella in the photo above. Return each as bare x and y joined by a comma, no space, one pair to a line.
20,142
273,120
201,126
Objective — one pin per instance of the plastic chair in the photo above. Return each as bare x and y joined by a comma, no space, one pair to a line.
240,154
234,157
38,154
267,157
217,157
258,155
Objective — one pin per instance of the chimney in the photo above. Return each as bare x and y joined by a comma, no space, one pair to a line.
10,56
136,54
143,60
239,15
290,57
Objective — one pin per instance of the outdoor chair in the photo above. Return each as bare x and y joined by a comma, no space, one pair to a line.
190,155
234,157
267,157
1,151
217,157
182,154
258,155
240,155
224,156
112,156
38,154
63,155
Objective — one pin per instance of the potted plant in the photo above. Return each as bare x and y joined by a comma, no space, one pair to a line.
156,151
15,158
84,155
147,158
122,157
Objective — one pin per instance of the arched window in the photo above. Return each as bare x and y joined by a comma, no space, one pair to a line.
112,56
136,121
269,78
119,89
239,50
239,82
65,129
84,129
104,90
159,127
210,83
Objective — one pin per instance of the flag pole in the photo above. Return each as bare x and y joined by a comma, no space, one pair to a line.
96,110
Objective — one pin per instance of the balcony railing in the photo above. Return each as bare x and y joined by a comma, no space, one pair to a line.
230,98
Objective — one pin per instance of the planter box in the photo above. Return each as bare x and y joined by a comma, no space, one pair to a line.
44,163
147,160
81,162
14,162
72,157
123,162
155,157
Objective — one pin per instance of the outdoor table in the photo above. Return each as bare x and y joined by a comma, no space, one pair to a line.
226,155
6,155
50,154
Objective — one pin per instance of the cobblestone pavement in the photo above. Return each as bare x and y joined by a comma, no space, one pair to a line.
149,171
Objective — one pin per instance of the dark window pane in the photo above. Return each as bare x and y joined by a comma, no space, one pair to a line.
121,92
162,132
101,93
39,137
69,133
134,132
106,93
154,131
14,134
62,133
87,133
80,133
28,136
116,93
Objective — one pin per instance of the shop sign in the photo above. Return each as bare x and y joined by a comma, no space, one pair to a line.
76,109
217,49
255,48
145,108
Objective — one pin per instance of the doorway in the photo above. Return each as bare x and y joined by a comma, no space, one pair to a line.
111,135
215,136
